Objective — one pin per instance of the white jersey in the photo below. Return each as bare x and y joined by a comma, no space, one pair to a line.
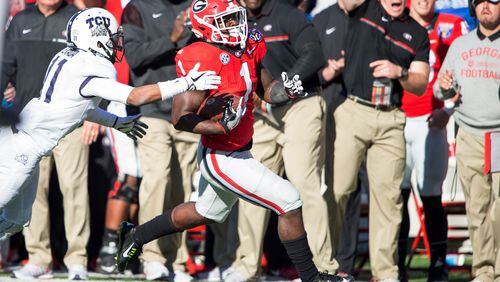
74,84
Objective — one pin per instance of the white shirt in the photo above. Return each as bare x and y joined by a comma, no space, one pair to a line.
74,84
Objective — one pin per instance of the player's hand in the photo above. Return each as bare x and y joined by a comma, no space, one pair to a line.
438,118
202,80
10,93
131,126
384,68
90,132
293,86
231,117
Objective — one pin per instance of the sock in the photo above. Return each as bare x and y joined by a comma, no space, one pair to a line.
403,236
437,229
299,252
155,228
109,236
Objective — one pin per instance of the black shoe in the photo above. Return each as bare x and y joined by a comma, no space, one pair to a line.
106,259
438,274
325,277
128,248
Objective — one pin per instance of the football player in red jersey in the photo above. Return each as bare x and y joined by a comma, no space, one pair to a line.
228,170
426,139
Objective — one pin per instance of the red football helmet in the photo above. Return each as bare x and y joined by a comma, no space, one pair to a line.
219,21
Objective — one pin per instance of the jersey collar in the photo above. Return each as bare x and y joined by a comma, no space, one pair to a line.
492,37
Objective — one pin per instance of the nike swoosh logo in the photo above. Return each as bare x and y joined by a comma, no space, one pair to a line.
125,254
251,50
26,30
330,30
196,78
155,16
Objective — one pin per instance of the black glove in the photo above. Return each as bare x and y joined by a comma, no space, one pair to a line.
293,86
231,117
131,126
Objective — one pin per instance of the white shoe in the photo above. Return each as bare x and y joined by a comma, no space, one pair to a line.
77,272
182,276
32,271
232,275
155,270
212,275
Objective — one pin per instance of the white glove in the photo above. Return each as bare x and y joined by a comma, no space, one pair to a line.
293,87
131,126
231,117
202,80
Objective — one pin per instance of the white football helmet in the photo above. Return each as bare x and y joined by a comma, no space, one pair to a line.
97,31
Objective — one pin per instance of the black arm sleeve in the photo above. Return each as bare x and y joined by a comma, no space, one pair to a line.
306,43
139,50
9,60
319,22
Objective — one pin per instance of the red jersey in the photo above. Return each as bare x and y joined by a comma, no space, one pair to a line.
443,30
238,72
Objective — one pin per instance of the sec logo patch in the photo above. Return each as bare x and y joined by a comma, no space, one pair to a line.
255,35
224,58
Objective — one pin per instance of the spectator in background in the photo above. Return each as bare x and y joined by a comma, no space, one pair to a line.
294,46
332,27
426,141
154,31
34,36
386,51
123,198
470,72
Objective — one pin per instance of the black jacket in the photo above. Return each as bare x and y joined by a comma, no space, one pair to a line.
31,41
147,25
331,25
292,43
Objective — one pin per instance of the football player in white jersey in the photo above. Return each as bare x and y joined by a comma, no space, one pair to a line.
76,80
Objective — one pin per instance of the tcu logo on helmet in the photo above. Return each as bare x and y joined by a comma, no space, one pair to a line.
199,5
98,21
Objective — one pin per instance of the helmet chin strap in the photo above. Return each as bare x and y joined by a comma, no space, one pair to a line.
111,56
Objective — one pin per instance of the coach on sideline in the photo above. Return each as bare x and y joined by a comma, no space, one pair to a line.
472,63
386,51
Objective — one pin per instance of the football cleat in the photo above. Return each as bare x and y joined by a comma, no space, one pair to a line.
128,248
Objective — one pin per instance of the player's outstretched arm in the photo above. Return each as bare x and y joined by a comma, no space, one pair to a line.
194,80
130,125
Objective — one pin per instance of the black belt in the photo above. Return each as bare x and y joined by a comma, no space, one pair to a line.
383,108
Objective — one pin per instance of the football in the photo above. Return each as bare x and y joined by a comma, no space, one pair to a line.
213,106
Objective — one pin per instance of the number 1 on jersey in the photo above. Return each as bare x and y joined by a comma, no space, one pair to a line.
50,89
245,73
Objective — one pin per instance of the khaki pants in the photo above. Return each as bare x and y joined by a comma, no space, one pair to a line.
299,151
168,161
482,193
71,158
362,131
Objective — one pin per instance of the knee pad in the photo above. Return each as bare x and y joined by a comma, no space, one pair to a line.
124,192
290,196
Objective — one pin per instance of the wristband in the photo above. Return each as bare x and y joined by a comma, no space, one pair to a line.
170,88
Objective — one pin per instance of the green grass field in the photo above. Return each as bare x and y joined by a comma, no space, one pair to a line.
417,274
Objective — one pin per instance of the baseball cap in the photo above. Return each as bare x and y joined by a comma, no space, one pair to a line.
476,2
